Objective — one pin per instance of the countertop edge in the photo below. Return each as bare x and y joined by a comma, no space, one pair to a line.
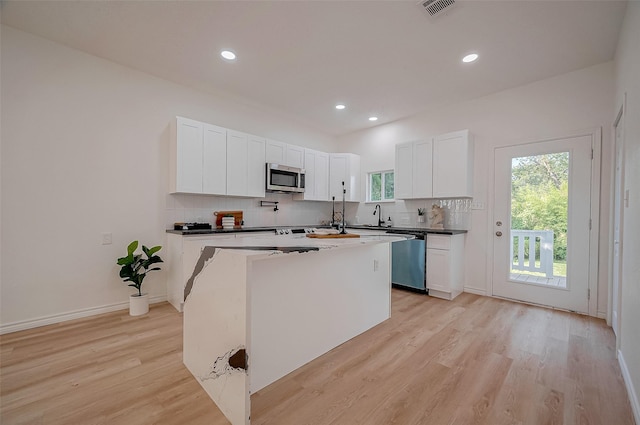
399,230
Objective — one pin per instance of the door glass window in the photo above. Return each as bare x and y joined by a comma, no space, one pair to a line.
539,208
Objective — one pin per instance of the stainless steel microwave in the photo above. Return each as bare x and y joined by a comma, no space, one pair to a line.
281,178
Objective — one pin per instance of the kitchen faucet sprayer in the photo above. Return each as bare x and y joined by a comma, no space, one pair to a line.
379,210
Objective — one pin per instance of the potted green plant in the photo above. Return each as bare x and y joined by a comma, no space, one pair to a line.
421,212
134,269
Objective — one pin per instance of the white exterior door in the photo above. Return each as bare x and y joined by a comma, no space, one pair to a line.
541,223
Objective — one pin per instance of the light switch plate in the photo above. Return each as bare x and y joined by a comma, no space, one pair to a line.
106,238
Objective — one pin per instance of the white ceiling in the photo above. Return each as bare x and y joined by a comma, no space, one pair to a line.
387,58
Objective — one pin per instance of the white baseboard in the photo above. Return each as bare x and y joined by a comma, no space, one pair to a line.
476,291
601,315
631,391
63,317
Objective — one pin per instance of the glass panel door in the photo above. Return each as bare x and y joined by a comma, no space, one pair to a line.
539,207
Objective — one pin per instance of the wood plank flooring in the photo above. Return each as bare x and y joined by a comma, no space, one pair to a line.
474,360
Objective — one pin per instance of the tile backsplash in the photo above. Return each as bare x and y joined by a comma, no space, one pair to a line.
200,208
457,213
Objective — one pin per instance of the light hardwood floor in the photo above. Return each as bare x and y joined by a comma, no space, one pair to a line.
474,360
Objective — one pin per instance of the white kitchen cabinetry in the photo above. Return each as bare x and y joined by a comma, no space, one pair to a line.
403,173
445,265
453,165
198,158
344,167
284,154
316,165
439,167
183,253
413,171
245,165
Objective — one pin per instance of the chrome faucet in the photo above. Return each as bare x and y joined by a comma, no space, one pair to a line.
379,210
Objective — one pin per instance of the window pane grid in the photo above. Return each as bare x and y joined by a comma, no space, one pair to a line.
380,186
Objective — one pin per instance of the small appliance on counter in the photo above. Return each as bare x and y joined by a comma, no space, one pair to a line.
191,226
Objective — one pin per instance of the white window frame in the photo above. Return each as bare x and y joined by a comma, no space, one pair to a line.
382,174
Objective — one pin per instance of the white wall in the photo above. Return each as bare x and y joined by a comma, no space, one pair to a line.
551,108
627,80
85,151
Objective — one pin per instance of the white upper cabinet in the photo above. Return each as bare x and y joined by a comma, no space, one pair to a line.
245,165
197,158
214,160
275,152
422,160
439,167
453,165
316,165
284,154
403,173
256,167
344,167
412,175
294,156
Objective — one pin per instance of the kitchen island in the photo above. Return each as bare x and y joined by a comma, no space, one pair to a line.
251,316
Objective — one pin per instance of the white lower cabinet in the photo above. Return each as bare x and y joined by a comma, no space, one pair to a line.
182,254
445,265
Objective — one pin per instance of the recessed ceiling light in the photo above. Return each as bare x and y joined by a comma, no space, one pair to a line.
228,55
340,106
470,58
373,118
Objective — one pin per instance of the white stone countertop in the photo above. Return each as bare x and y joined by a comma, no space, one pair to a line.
268,245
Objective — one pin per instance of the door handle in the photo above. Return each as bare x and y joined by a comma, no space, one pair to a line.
498,234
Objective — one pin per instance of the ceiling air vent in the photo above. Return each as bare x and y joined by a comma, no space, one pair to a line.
434,7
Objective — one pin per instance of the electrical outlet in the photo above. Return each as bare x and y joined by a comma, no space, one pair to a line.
106,238
376,265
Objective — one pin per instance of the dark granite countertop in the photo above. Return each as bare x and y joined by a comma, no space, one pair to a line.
409,230
398,230
223,231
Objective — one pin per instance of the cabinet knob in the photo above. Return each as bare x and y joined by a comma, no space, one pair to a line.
498,234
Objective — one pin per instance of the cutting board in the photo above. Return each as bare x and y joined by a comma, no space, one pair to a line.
338,236
237,218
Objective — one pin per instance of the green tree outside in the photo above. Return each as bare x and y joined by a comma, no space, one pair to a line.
539,197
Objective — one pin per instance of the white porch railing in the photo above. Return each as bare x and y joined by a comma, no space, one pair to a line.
529,237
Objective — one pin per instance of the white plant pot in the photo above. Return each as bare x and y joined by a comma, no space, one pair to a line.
138,305
420,219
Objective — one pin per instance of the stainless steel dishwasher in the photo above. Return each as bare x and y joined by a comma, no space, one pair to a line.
408,262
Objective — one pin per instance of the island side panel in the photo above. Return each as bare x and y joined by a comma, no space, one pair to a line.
215,332
304,305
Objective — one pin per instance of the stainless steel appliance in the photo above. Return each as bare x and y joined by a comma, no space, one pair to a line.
281,178
408,263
